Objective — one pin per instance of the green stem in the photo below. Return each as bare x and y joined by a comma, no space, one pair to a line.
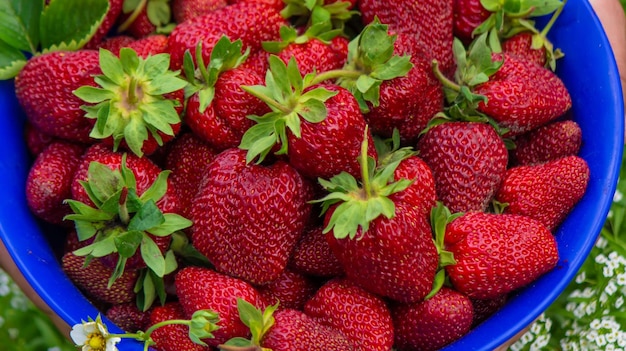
335,74
132,96
553,19
447,83
123,209
363,160
270,101
133,16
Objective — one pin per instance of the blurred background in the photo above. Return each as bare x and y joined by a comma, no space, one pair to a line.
589,315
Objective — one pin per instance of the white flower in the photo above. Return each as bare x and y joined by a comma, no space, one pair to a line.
93,336
617,196
600,259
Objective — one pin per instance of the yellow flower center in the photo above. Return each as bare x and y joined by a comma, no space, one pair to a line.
96,342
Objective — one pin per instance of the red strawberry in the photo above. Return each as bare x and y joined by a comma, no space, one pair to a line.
49,180
291,289
257,214
188,158
145,18
294,330
220,118
116,43
546,192
35,139
184,10
173,337
92,280
484,308
468,14
313,256
468,161
547,143
430,21
520,45
204,289
128,317
433,323
497,253
359,315
251,21
44,89
380,230
115,10
149,45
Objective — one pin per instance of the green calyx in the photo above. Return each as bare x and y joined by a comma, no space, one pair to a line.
310,12
130,104
121,220
259,322
158,11
440,217
287,94
371,61
359,204
322,31
29,28
225,55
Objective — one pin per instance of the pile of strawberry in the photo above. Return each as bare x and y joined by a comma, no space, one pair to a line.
322,175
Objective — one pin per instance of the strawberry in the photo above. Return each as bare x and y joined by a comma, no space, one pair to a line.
484,308
318,126
468,161
92,280
116,43
128,317
291,289
433,323
115,10
136,93
188,158
379,230
294,330
143,18
217,107
149,45
497,253
171,337
430,21
258,212
36,140
547,143
468,15
44,89
204,289
251,21
361,316
546,192
313,256
49,180
184,10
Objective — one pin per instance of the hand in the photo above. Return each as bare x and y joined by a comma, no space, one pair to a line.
8,265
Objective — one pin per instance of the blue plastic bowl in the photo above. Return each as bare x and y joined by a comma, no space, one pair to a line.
588,70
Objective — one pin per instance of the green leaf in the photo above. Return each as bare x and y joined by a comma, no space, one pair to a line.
128,242
83,211
157,189
19,24
151,254
135,134
93,95
173,223
259,141
58,31
11,61
103,182
147,217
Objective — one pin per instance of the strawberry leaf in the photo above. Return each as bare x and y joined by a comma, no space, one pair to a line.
152,256
147,217
127,243
19,24
61,32
173,223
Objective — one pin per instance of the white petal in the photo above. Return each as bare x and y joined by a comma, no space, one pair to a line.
78,334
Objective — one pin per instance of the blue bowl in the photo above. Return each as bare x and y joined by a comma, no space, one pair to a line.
588,70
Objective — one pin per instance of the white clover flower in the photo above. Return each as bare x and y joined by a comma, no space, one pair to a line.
607,271
617,196
93,336
600,259
611,288
580,278
601,243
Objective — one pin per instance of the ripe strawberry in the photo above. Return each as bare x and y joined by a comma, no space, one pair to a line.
547,143
149,45
217,106
258,212
184,10
430,21
204,289
361,316
115,10
380,230
44,89
468,161
313,256
141,19
116,43
484,308
128,317
497,253
291,289
546,192
188,158
468,15
294,330
36,140
92,280
433,323
49,180
251,21
173,337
